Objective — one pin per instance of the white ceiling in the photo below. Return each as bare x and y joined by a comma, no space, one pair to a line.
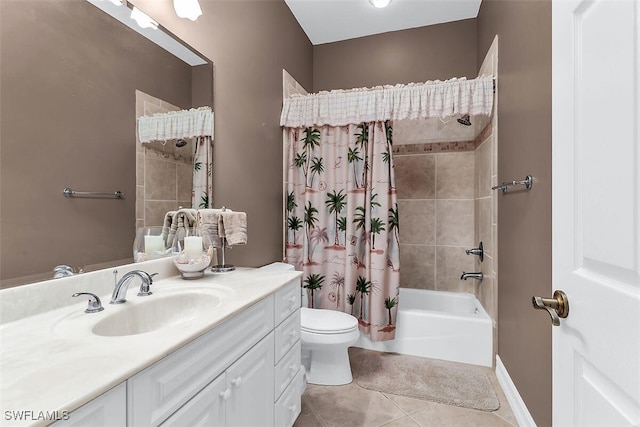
326,21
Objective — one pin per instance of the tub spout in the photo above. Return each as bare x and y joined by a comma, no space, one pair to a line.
478,276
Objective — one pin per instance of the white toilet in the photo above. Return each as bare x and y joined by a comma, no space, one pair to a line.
325,336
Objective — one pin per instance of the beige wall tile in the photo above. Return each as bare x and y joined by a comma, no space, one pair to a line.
155,211
451,262
160,179
455,222
140,202
455,175
484,226
417,221
483,168
432,129
415,176
140,168
184,176
417,266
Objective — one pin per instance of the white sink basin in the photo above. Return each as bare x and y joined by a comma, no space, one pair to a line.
156,312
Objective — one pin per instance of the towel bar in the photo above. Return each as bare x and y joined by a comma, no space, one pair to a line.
527,182
72,193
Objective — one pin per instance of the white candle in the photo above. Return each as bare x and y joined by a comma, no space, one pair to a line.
153,246
193,247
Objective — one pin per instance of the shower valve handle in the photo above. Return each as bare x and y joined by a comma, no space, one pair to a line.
476,251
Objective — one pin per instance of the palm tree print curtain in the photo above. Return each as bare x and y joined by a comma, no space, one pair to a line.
202,193
342,221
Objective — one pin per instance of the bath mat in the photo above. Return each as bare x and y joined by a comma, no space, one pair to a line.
428,379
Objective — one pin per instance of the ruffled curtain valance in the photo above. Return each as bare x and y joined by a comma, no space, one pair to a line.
176,124
411,101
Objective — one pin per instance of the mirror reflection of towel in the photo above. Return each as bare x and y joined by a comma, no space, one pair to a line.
173,220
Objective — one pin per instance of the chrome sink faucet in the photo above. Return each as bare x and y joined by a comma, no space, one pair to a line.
122,285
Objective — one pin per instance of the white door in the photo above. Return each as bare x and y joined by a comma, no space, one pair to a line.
596,211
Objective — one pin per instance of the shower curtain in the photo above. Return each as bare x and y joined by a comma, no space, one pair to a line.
341,208
202,193
342,221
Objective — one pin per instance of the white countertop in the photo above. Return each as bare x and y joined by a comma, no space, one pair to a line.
51,361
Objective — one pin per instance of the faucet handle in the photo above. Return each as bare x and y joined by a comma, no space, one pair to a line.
145,286
95,305
479,251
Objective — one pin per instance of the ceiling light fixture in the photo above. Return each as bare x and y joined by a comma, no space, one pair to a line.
380,3
189,9
142,19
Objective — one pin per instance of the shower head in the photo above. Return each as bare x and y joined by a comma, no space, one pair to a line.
464,120
181,143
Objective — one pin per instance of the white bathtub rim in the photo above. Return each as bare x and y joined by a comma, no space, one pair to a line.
438,334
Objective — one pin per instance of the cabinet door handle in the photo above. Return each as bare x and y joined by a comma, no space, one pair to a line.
236,382
293,368
225,394
292,300
293,408
292,335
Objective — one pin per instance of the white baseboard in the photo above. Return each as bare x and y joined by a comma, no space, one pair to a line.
520,411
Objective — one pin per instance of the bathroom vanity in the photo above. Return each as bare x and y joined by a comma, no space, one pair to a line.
234,361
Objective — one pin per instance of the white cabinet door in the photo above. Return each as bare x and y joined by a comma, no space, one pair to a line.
250,385
207,408
160,390
109,409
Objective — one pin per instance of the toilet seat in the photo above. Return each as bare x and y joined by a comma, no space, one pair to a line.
326,322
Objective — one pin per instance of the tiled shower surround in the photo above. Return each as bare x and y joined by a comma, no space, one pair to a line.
446,206
164,173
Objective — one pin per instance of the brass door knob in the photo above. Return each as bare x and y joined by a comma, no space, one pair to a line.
557,307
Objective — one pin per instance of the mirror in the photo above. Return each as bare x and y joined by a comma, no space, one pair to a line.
68,80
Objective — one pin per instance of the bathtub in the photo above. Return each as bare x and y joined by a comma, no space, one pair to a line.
440,325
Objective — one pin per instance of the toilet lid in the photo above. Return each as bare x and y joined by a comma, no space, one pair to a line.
322,321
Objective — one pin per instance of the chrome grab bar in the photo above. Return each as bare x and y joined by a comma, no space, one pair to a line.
68,192
527,182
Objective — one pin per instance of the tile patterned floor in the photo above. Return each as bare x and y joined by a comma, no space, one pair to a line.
353,406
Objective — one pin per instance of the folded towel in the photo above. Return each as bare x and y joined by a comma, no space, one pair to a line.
175,220
166,225
233,227
207,222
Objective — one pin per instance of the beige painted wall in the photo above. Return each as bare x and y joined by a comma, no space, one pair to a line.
416,55
524,232
249,42
68,119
